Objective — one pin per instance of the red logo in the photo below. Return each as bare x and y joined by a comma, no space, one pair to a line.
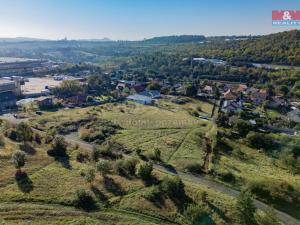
286,15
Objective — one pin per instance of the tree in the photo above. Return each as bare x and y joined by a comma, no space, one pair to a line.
90,176
58,147
24,132
84,200
154,85
103,167
191,90
19,159
68,88
258,140
245,209
144,171
242,127
173,186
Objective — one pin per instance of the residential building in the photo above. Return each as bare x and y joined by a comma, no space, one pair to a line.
230,95
231,106
153,94
258,96
142,99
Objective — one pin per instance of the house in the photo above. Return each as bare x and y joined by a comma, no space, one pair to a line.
124,83
153,94
139,88
44,102
206,92
241,88
207,89
231,106
278,101
294,115
258,96
142,99
230,95
76,100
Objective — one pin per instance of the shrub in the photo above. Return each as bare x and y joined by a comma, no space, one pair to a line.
11,134
37,138
95,155
58,147
195,213
193,167
24,132
152,194
173,186
154,154
242,127
126,166
245,209
2,143
103,167
258,140
268,217
144,171
84,200
90,176
82,157
19,159
226,176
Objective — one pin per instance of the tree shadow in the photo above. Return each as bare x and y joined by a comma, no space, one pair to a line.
24,182
204,220
27,148
113,187
64,161
218,211
100,196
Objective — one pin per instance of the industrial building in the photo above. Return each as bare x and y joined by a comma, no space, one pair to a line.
7,95
20,66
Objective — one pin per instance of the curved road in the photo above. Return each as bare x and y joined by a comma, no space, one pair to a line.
198,179
284,217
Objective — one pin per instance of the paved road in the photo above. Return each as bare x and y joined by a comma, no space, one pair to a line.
198,179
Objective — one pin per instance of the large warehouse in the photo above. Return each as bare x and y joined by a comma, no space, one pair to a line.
7,95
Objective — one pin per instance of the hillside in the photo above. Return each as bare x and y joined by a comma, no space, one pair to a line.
279,48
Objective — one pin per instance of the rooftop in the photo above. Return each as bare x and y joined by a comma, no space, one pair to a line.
14,60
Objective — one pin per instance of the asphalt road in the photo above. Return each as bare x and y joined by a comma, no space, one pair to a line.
197,179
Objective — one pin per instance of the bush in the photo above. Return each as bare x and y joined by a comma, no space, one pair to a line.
103,167
2,143
84,200
195,213
193,167
242,127
37,138
152,194
95,155
258,140
226,176
11,134
144,171
126,166
173,186
82,157
19,159
154,155
58,147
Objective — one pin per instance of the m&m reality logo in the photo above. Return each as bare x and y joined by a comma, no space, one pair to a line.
286,17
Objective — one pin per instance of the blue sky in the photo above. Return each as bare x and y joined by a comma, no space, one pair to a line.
137,19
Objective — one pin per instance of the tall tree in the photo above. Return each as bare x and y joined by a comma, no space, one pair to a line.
245,209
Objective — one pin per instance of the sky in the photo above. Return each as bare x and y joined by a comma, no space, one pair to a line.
138,19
